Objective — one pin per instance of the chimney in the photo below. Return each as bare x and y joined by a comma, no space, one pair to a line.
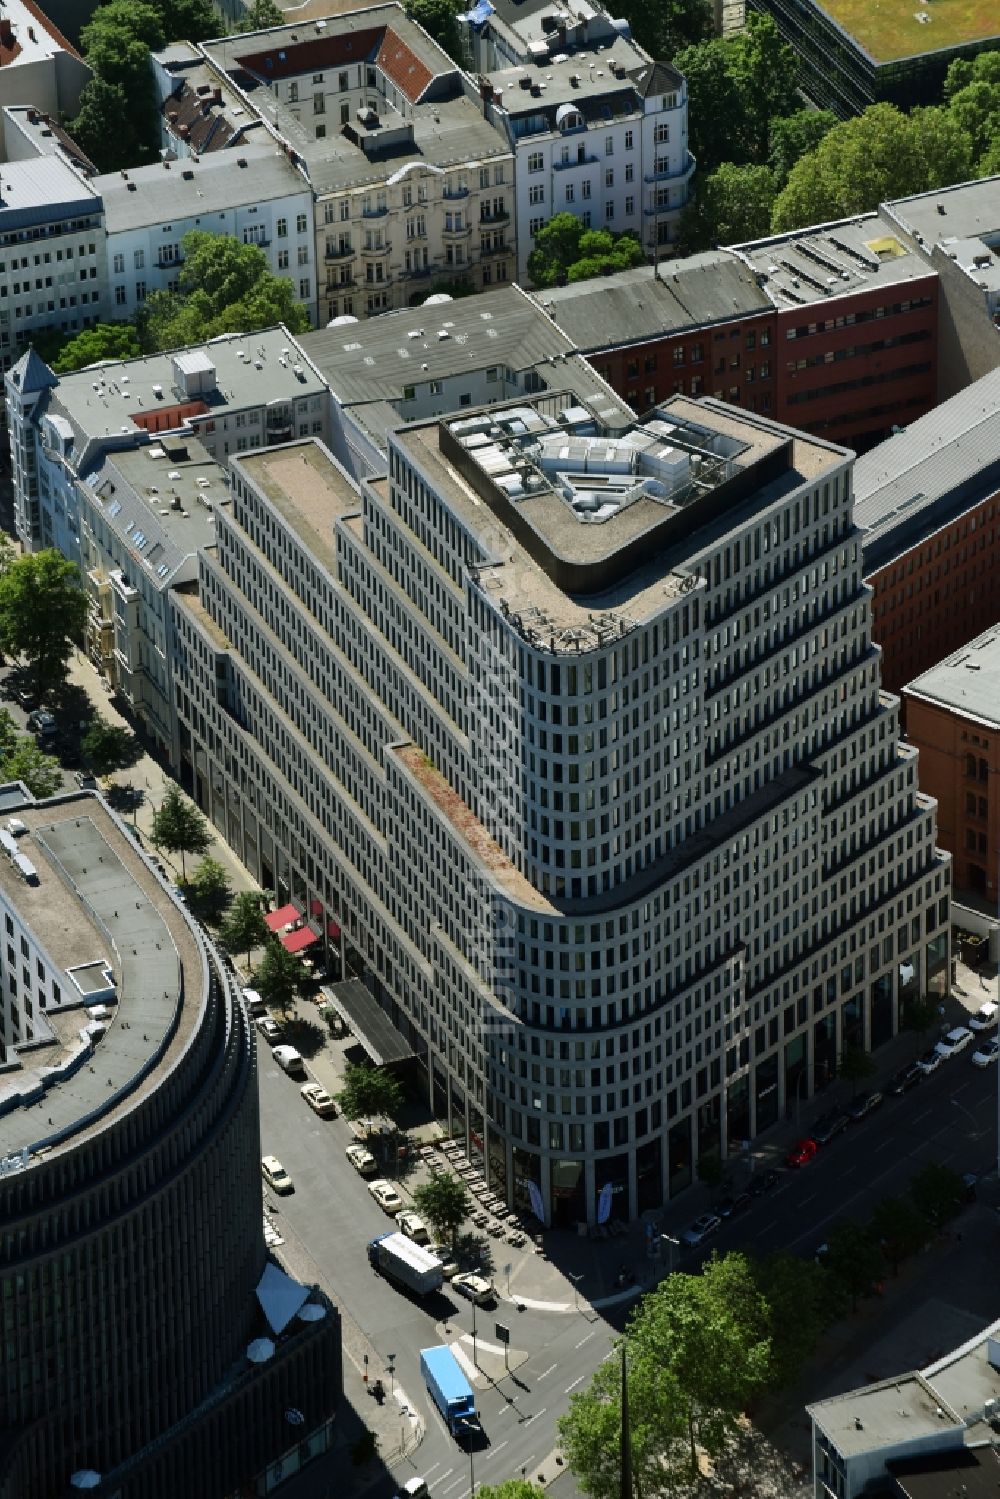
217,96
6,33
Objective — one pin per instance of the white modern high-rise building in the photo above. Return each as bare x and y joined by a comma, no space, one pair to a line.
576,732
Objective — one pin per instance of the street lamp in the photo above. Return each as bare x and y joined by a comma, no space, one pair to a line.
674,1244
802,1077
969,1115
390,1359
576,1279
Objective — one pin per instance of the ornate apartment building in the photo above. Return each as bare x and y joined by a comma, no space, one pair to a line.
575,728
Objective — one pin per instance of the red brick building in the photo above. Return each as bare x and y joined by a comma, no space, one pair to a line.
953,717
696,327
928,502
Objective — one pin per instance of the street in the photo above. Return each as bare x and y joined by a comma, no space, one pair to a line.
950,1117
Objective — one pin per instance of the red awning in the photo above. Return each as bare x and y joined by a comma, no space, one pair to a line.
296,941
332,929
285,917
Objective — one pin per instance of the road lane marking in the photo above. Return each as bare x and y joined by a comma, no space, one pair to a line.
481,1345
446,1474
811,1198
548,1371
498,1448
429,1471
574,1384
585,1340
452,1486
925,1115
536,1415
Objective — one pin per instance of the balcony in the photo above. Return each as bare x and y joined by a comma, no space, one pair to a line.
587,160
493,219
337,252
454,194
417,274
375,213
164,263
371,251
667,176
458,232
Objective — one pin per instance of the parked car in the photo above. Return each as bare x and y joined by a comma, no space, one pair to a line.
865,1104
413,1226
86,780
474,1288
931,1060
985,1017
386,1196
270,1030
735,1207
319,1100
275,1174
254,1003
763,1181
443,1253
970,1181
905,1079
289,1060
801,1153
955,1041
42,724
361,1159
986,1053
828,1126
413,1488
701,1229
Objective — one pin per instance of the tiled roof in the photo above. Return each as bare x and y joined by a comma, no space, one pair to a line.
378,44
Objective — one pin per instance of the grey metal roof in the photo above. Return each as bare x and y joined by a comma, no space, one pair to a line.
157,498
187,188
922,477
967,681
373,360
635,306
31,373
829,261
369,1022
91,903
42,190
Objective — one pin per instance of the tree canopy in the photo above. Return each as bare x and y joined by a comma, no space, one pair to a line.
565,250
245,927
878,155
260,15
736,87
209,892
43,611
108,747
439,20
791,136
972,94
795,1293
179,827
511,1488
730,205
663,27
369,1092
697,1349
444,1202
225,287
279,977
24,761
117,123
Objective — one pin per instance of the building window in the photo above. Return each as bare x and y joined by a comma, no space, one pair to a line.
661,135
536,193
609,209
536,161
120,297
570,192
139,257
498,175
301,223
586,188
119,265
303,254
319,104
534,225
629,207
609,145
629,140
282,260
282,228
140,291
304,289
293,93
629,172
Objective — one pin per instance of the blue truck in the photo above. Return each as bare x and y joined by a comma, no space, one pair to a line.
451,1392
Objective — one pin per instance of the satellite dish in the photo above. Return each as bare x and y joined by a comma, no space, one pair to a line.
260,1350
312,1312
85,1478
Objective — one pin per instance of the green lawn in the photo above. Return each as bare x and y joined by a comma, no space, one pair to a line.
888,28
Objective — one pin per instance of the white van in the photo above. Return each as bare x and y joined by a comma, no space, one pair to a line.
289,1061
254,1003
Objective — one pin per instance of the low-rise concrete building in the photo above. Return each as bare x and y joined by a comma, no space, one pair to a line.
256,194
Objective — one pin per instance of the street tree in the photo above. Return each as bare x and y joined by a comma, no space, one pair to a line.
444,1202
877,155
854,1259
936,1192
369,1092
601,253
179,827
225,287
9,732
736,86
108,747
855,1066
731,205
511,1488
244,927
566,250
191,20
794,1291
43,611
918,1014
24,761
900,1229
279,977
261,15
209,893
697,1350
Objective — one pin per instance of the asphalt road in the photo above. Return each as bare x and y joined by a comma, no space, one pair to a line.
950,1117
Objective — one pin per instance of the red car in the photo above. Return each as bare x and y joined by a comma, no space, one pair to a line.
801,1153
